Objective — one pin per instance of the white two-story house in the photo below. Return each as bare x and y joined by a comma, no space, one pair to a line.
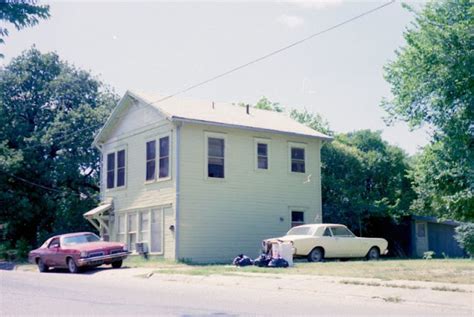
204,181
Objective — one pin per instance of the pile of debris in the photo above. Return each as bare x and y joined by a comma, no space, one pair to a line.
275,254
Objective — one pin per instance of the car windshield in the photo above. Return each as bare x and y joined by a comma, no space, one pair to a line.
300,231
83,238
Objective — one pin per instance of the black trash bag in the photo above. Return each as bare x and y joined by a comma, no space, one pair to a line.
262,260
278,262
242,260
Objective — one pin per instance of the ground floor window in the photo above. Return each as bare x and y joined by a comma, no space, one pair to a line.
141,226
297,218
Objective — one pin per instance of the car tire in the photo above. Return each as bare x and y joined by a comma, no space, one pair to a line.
117,264
41,266
72,266
316,255
373,254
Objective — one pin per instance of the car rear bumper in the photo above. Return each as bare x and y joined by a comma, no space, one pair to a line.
97,260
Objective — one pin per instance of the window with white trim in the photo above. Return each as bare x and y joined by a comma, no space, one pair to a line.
297,218
132,231
262,155
121,228
164,155
141,226
144,221
215,157
156,240
297,156
158,159
121,168
116,169
150,160
111,170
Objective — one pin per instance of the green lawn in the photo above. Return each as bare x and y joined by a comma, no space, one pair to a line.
460,271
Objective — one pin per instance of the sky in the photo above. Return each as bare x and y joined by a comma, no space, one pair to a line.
163,47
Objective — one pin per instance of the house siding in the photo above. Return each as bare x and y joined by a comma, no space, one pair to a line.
137,193
222,218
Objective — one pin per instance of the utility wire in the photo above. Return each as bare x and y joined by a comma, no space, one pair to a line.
274,52
38,185
259,59
64,136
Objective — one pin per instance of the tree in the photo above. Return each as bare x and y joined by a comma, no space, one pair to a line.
312,120
362,177
266,104
22,14
49,173
433,84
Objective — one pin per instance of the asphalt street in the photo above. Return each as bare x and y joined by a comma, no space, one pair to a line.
134,292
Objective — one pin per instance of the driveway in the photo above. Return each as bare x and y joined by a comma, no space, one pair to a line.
139,292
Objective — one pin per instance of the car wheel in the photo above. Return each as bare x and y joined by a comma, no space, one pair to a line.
374,254
317,255
117,264
41,266
71,265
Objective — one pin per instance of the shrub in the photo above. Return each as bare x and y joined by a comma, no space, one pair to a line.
22,248
428,255
465,237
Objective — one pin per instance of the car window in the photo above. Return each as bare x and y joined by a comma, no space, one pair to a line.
54,243
341,232
297,231
327,233
83,238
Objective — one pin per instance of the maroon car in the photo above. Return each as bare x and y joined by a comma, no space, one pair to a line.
77,250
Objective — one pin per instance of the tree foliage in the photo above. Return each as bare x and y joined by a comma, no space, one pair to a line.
49,111
362,177
22,14
465,237
433,84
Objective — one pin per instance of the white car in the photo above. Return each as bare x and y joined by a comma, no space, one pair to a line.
319,241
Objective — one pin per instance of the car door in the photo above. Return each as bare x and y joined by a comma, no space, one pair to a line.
50,256
331,244
345,241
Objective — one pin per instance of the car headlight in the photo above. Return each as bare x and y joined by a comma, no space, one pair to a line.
125,248
84,254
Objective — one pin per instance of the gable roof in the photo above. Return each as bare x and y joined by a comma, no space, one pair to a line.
221,114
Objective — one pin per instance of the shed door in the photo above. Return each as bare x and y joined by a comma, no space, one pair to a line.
421,238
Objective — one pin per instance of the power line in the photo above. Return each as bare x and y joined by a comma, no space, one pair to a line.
238,67
273,52
259,59
39,185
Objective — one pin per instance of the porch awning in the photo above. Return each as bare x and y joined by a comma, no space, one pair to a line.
100,219
97,211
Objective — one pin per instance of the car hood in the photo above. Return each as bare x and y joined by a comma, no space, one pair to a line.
92,246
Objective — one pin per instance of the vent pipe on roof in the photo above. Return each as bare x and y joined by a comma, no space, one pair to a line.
248,109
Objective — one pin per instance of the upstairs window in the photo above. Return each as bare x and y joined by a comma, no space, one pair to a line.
215,157
150,160
158,159
116,169
297,157
164,157
262,156
110,170
121,168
